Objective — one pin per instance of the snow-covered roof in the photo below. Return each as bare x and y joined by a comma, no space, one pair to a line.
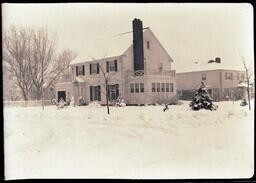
103,48
108,47
194,67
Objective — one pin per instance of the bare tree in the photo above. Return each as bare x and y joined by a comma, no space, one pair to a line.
45,65
16,51
249,73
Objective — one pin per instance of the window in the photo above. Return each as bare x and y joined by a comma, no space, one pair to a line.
160,67
95,93
137,90
238,76
80,70
94,68
158,87
148,45
111,65
113,92
204,76
162,87
153,87
132,88
167,85
142,87
171,89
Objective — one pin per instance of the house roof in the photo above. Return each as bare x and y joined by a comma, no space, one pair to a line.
103,48
193,67
109,47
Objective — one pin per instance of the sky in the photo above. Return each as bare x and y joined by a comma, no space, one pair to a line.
189,32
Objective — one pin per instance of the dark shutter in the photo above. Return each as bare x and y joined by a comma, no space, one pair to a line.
99,94
83,70
117,90
107,66
98,68
91,93
90,68
115,65
76,70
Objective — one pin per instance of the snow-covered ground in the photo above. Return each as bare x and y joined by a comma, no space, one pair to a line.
132,142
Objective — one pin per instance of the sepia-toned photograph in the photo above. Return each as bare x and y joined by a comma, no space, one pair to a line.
128,90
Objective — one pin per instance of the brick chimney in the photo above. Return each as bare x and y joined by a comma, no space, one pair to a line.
138,53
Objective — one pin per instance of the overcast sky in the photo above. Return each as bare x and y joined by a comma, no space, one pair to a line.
189,32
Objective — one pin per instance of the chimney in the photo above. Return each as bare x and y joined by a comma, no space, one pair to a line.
217,60
138,52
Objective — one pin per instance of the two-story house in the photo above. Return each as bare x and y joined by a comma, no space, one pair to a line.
223,83
140,74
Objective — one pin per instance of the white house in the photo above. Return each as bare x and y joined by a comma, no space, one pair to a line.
137,66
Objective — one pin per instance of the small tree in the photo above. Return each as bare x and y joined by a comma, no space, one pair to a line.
249,73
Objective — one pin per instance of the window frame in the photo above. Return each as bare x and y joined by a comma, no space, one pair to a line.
158,87
142,89
153,87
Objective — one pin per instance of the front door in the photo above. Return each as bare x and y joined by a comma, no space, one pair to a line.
62,94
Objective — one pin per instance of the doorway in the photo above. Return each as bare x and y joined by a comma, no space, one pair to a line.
62,94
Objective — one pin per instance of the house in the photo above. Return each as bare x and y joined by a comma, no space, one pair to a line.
222,83
138,69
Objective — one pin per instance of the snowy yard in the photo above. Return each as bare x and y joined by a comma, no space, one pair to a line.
133,142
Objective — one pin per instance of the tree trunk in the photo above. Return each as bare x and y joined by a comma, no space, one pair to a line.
24,95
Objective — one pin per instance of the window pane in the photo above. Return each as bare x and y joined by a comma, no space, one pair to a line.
153,87
111,66
142,87
162,87
171,85
167,87
137,90
94,68
132,88
158,87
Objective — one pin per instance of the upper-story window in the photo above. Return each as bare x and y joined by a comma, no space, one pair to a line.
148,45
204,76
160,67
94,68
80,70
111,66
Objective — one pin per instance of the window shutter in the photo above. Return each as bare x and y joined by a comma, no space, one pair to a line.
99,94
76,70
90,68
107,67
98,68
83,70
117,90
91,93
115,65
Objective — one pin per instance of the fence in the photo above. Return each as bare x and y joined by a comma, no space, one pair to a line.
28,103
